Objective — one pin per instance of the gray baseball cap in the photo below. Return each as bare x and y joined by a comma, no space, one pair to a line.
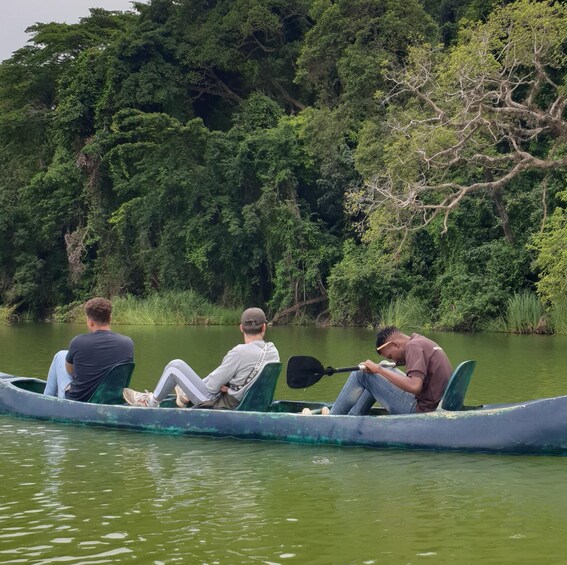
253,317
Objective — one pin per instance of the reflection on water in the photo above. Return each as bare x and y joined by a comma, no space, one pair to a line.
81,495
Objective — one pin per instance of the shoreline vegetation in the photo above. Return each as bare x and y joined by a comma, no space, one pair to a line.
337,163
524,314
170,308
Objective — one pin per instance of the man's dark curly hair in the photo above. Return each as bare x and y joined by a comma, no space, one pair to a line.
98,310
384,333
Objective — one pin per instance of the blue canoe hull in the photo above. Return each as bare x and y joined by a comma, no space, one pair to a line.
532,427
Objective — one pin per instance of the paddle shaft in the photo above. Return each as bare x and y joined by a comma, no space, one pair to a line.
331,370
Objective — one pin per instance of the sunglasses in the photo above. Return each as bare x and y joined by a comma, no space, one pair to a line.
383,345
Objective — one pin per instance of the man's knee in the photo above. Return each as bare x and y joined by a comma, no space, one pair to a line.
60,355
177,364
360,377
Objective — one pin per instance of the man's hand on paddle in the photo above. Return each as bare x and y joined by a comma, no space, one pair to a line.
369,366
411,385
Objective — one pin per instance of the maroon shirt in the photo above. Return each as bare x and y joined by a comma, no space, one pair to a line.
427,361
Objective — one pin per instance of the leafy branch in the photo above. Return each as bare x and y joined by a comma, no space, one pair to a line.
478,118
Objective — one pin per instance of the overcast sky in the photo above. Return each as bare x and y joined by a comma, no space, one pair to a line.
17,15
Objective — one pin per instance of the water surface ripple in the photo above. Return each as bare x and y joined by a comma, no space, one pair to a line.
77,495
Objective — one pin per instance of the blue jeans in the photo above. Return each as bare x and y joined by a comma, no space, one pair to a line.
58,379
363,389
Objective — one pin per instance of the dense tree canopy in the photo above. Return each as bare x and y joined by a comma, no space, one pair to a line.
495,103
319,158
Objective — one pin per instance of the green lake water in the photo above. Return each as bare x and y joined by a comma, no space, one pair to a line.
87,496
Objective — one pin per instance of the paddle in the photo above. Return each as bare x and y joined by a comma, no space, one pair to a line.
303,371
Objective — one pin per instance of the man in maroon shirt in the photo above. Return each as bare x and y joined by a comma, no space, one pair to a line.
419,389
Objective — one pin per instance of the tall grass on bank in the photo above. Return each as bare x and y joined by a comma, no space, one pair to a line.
176,308
558,317
7,314
167,308
405,313
524,315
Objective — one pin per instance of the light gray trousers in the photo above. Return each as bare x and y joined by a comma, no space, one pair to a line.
177,372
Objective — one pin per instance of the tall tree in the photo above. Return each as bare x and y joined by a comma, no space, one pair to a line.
233,47
477,118
344,55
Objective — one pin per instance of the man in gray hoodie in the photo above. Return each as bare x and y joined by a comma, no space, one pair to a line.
226,385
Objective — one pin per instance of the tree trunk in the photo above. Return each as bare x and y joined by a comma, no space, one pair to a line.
501,208
282,313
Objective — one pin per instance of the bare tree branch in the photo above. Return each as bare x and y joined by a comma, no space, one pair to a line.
475,120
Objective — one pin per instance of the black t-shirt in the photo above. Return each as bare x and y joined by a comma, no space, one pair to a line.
92,355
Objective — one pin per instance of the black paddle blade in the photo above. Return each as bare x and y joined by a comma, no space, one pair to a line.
303,371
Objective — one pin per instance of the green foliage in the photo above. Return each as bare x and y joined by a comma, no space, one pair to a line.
328,138
166,308
477,283
172,308
524,315
258,111
408,313
558,317
453,117
369,155
78,95
345,53
363,283
275,233
155,166
551,245
7,314
235,47
72,312
194,154
144,70
306,255
448,13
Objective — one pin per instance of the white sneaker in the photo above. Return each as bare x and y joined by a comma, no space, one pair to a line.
324,411
134,398
181,399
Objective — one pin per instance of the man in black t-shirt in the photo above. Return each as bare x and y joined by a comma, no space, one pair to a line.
75,373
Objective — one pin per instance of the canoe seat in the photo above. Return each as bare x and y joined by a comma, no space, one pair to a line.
261,394
454,395
109,390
